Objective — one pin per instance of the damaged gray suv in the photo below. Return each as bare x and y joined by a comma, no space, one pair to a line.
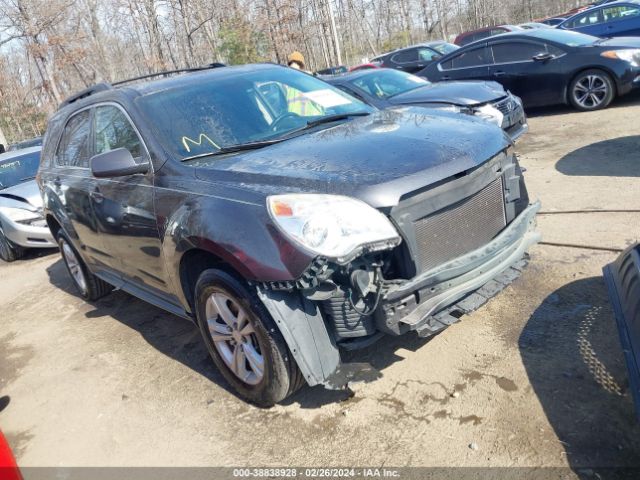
288,220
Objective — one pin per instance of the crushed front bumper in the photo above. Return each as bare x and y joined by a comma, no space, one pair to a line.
436,298
623,283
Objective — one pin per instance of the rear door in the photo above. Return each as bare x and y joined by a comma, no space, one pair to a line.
537,82
71,182
470,64
124,206
621,20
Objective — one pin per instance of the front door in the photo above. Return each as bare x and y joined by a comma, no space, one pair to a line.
527,69
123,206
621,21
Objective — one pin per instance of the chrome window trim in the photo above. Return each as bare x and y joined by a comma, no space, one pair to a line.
96,105
502,63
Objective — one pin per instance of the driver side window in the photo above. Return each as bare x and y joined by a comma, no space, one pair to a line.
113,130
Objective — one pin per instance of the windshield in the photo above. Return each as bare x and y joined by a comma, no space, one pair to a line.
18,169
205,116
445,48
384,83
570,39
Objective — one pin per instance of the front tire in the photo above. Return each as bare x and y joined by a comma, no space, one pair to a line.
9,251
88,285
591,90
243,340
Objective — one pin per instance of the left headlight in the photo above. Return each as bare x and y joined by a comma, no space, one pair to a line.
333,226
20,215
490,113
631,55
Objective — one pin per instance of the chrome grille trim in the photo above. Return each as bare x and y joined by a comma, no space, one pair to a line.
460,228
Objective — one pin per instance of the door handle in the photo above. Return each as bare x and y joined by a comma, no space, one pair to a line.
499,73
445,77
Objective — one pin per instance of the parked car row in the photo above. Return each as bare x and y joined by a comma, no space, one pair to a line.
548,66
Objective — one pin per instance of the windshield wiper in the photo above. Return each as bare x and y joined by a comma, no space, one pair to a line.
235,148
27,178
335,118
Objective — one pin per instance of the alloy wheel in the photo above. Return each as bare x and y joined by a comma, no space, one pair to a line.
591,91
74,266
234,337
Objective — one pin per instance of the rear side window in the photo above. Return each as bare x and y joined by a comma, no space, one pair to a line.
114,130
516,51
406,56
73,149
471,58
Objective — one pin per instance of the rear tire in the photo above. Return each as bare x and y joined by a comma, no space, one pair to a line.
248,349
591,90
9,251
88,285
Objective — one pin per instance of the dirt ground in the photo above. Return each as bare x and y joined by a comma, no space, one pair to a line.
534,378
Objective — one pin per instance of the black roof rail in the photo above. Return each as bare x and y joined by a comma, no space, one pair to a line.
101,87
170,72
98,87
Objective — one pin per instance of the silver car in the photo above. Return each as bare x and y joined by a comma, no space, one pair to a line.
21,222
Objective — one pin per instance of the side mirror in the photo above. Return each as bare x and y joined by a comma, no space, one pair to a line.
542,57
2,149
116,163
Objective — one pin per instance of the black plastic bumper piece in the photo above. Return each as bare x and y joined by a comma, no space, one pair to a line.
623,283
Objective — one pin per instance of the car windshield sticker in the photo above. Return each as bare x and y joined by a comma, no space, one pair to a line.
327,98
186,142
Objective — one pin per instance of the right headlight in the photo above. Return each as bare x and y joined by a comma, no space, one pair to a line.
631,55
333,226
21,215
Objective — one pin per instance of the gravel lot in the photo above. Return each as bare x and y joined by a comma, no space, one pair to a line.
534,378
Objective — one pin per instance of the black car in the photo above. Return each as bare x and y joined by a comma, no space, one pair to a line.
290,228
386,88
548,66
414,58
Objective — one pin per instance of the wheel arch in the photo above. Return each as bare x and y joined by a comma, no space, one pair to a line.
195,261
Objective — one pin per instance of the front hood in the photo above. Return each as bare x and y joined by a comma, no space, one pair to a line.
464,93
620,42
377,158
24,195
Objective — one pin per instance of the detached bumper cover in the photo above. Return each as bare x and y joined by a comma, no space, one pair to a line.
622,278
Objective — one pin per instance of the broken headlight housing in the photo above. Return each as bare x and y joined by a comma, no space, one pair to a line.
333,226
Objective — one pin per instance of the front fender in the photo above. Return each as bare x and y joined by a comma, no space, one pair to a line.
239,233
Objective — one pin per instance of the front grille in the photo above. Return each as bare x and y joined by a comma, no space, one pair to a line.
505,106
460,228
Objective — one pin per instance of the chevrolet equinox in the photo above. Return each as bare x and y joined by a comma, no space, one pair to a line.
290,221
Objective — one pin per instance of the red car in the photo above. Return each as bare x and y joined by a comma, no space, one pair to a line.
8,467
473,35
365,66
